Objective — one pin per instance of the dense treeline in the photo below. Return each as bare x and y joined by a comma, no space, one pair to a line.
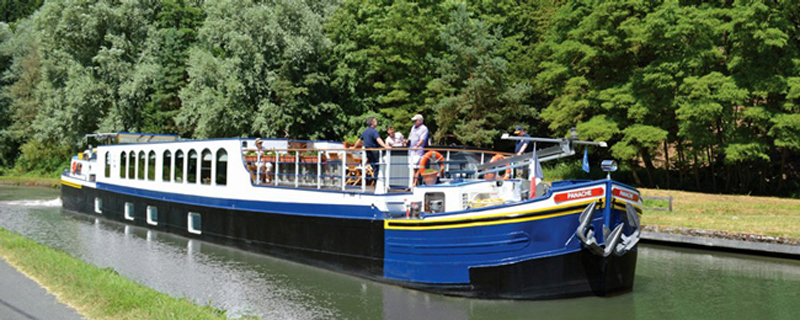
699,95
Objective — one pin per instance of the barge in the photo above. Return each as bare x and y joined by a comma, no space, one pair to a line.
477,228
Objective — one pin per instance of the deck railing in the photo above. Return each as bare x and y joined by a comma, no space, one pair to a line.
349,170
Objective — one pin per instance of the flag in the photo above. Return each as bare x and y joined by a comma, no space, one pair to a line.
536,175
585,164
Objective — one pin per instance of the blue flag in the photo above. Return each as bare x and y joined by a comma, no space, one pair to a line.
585,164
536,174
537,167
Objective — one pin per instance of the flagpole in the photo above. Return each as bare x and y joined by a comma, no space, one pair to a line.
532,173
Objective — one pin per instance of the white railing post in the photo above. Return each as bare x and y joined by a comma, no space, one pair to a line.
364,170
387,171
258,170
344,168
410,171
483,160
296,168
319,169
277,167
447,165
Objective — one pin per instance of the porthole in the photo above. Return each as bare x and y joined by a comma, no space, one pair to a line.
98,205
129,211
194,223
152,215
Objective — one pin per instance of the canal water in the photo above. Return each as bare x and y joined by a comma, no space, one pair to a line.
670,283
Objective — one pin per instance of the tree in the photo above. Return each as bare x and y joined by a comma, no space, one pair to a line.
471,95
380,57
258,69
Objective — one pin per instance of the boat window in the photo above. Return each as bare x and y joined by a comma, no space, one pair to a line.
140,166
151,166
129,210
108,165
194,223
166,166
179,166
222,167
122,164
152,215
434,202
191,167
205,167
132,165
98,205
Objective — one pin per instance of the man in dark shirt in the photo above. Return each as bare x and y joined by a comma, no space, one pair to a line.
522,145
372,139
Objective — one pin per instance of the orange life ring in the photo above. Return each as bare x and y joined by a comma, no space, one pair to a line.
427,156
74,165
491,176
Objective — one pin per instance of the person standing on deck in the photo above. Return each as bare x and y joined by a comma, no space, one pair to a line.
263,167
395,139
417,140
522,145
372,139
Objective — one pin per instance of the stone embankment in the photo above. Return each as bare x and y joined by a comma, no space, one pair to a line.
725,241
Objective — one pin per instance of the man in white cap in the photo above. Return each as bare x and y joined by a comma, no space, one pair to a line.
417,139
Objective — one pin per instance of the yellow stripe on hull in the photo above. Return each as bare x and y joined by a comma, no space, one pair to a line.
467,220
71,184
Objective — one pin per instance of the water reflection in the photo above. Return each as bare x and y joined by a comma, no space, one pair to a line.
671,283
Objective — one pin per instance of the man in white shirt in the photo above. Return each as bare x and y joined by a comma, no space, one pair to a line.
395,139
417,140
264,167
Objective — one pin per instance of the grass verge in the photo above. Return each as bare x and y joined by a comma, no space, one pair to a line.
777,217
30,181
94,292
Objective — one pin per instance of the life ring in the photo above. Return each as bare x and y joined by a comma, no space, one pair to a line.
491,176
74,165
429,155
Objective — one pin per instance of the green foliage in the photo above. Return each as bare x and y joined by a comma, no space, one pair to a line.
701,95
41,160
380,57
13,10
257,69
471,96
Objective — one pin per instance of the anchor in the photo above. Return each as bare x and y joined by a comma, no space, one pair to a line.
615,241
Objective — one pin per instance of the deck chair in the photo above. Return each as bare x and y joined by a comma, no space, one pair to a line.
354,171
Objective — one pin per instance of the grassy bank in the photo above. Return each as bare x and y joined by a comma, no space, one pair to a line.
29,181
766,216
96,293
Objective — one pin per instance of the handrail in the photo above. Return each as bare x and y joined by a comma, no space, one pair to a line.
347,169
384,149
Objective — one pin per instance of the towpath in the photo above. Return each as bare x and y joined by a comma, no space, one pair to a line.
22,298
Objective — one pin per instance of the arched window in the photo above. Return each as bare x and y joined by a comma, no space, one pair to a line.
122,164
222,167
166,166
151,165
108,165
132,165
179,166
141,165
191,167
205,167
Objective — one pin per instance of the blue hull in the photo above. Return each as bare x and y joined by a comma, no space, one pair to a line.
532,256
